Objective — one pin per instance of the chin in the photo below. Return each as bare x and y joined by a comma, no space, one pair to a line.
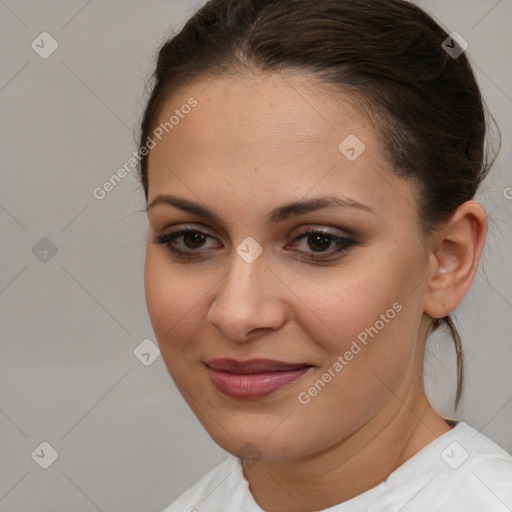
256,448
251,437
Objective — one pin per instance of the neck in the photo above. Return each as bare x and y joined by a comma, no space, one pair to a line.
353,465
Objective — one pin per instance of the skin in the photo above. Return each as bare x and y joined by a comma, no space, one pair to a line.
253,143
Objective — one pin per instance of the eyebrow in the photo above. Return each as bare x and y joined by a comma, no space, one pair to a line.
280,214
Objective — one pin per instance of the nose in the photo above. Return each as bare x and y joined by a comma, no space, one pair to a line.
247,301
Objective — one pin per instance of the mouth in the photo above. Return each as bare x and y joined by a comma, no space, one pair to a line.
254,378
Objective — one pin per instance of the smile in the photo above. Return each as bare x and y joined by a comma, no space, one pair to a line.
255,378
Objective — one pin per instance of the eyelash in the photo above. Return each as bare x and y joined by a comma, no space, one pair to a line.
344,244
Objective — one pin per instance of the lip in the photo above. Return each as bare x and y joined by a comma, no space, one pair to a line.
254,378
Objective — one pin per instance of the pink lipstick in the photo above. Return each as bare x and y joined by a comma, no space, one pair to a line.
254,378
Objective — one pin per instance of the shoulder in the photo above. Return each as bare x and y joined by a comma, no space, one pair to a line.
469,450
465,471
223,486
483,470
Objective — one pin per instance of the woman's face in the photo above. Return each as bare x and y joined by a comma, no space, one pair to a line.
344,331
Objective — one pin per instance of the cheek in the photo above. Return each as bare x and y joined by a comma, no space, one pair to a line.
366,358
348,305
366,325
172,299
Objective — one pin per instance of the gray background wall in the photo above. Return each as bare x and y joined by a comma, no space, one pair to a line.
70,321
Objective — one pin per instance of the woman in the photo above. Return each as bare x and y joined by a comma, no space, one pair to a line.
309,169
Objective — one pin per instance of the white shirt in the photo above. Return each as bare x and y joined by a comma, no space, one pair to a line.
460,471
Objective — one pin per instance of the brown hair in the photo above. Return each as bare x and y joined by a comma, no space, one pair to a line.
387,54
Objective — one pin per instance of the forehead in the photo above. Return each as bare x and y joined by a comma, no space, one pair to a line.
268,113
266,136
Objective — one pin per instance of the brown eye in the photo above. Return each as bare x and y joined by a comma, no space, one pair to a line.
186,243
319,242
193,239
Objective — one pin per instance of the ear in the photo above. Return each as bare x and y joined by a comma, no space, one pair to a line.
455,254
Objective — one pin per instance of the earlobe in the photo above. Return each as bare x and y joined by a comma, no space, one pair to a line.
456,251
